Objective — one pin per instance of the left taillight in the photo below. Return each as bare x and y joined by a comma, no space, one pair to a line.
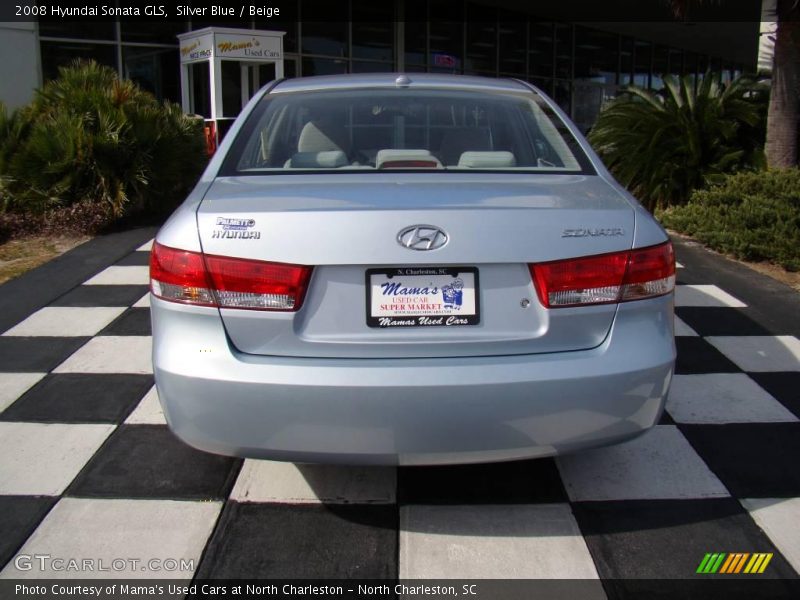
207,280
617,277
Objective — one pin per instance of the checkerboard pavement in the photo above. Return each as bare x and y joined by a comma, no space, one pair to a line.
89,468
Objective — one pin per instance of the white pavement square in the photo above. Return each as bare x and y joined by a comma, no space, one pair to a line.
269,481
705,295
719,398
66,321
661,464
121,275
118,532
13,385
760,353
148,411
147,246
780,520
111,354
538,541
41,459
143,302
682,329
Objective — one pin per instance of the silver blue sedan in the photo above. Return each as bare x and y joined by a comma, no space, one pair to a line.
420,269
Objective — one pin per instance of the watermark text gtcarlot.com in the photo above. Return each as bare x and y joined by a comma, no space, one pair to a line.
46,562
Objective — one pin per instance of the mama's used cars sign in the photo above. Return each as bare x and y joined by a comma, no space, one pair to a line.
230,44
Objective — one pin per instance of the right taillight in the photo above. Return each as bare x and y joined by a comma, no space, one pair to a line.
617,277
206,280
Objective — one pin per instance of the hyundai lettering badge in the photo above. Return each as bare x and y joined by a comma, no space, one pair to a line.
422,237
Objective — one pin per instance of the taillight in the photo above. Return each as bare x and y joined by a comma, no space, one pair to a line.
618,277
206,280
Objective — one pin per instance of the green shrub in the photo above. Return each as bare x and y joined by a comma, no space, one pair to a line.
662,145
89,136
753,216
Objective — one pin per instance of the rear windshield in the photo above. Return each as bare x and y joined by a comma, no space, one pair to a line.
407,129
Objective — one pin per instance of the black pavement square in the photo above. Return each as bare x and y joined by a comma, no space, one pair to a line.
19,516
666,419
281,541
148,461
719,321
695,355
102,295
518,482
638,547
140,258
80,398
36,354
134,321
783,386
753,460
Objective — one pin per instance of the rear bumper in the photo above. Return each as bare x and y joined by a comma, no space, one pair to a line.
410,411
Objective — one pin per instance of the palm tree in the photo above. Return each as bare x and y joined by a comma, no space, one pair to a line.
93,136
783,115
784,102
662,145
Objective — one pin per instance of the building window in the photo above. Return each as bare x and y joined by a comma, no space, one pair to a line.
446,37
151,32
642,58
153,69
371,66
596,54
512,37
95,30
61,54
324,38
660,67
481,29
373,31
563,34
314,65
676,62
286,22
415,36
540,50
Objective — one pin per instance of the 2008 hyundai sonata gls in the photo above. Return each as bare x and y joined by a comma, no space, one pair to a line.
416,269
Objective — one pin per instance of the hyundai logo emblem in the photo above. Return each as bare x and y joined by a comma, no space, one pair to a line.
422,237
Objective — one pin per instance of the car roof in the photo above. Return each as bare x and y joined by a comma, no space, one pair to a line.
390,80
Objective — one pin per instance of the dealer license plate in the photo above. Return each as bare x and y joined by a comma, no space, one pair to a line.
422,297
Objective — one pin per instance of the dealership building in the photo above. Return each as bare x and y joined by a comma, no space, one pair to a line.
578,52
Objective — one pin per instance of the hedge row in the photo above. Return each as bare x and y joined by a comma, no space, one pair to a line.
752,216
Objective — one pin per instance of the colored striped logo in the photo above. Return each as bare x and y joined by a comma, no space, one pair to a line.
734,563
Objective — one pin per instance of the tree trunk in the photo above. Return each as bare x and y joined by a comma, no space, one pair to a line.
784,99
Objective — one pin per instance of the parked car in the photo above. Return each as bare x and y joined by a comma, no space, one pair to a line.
421,269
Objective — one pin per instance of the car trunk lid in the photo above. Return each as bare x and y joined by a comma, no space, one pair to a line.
347,226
